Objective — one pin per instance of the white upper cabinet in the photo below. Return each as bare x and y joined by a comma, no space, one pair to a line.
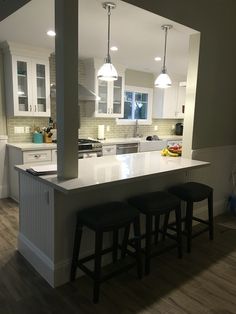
27,81
111,94
181,100
168,103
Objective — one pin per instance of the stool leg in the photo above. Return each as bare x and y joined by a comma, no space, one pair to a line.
125,241
97,265
148,243
210,216
157,226
115,245
76,249
137,235
179,230
189,216
165,225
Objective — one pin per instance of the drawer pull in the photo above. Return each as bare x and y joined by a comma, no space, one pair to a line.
37,156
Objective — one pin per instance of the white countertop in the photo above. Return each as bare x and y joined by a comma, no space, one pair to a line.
98,171
114,141
109,141
32,146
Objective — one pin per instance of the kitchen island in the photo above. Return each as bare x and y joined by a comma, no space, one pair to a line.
48,205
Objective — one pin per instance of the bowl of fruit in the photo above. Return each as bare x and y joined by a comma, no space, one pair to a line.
172,151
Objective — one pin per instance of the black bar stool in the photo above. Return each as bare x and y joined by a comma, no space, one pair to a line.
153,205
104,218
192,192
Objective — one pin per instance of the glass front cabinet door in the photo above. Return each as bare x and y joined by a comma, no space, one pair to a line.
111,102
41,92
31,87
27,84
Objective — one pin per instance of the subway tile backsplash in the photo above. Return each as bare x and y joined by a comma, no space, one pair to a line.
88,125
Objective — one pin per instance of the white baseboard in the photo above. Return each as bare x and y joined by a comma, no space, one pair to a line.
37,259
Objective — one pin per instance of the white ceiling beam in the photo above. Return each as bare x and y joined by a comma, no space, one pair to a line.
66,27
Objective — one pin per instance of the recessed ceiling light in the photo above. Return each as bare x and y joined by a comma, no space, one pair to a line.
51,33
157,59
114,48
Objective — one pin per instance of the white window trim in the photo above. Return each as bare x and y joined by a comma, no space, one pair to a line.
137,89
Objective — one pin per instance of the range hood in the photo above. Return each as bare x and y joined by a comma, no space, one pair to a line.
84,93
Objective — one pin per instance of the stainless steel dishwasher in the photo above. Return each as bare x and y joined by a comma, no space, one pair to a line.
126,148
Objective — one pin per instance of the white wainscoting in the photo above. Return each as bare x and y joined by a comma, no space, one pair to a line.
218,175
3,167
47,217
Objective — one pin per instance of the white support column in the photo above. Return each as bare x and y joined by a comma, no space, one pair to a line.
66,27
194,49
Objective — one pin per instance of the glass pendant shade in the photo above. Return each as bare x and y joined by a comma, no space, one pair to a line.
107,72
163,81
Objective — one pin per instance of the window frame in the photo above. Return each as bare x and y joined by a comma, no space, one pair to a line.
143,90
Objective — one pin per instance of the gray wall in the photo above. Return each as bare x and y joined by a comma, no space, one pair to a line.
3,130
215,111
140,79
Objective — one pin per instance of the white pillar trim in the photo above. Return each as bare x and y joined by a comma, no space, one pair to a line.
66,27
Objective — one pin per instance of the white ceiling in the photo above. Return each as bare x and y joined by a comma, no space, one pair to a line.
136,32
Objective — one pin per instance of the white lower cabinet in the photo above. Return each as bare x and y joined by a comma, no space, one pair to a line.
54,155
18,157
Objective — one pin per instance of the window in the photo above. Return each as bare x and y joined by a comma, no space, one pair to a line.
137,105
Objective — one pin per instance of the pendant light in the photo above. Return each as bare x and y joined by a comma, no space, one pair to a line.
107,72
163,80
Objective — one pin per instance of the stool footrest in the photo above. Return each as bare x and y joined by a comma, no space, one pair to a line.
109,275
92,256
206,222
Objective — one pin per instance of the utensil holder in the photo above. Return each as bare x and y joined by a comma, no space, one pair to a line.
37,138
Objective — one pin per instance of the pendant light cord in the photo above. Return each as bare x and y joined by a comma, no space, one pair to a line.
108,59
164,59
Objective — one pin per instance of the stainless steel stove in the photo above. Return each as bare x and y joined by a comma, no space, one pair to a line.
89,148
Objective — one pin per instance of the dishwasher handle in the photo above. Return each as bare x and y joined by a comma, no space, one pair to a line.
126,147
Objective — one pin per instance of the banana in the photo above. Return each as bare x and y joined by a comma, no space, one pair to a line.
172,154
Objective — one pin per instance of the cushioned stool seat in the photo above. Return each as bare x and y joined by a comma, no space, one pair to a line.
155,204
191,192
103,218
107,216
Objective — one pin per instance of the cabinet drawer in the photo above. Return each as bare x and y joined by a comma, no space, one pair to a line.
37,156
109,150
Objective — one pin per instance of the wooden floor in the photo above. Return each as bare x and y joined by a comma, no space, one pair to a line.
203,282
